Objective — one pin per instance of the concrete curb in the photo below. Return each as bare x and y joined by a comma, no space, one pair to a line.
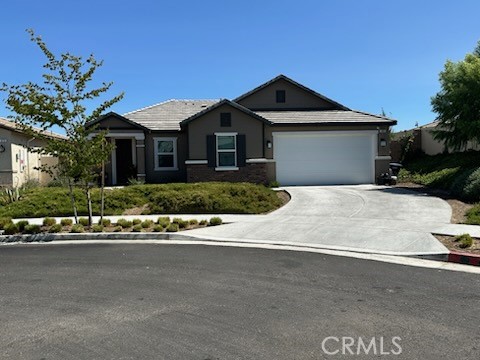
464,258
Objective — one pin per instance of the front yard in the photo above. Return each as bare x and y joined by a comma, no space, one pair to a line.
454,177
196,198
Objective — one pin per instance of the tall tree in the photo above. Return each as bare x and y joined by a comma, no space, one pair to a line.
61,101
458,102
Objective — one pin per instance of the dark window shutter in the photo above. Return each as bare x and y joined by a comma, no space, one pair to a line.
241,150
211,151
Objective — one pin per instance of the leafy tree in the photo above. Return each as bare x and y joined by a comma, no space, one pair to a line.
61,101
458,102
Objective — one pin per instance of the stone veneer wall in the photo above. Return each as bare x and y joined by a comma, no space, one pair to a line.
255,173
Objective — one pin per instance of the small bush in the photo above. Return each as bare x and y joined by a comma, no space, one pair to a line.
97,228
146,224
32,229
465,240
203,222
136,221
137,228
105,222
193,222
77,228
22,224
214,221
117,229
83,221
4,221
177,220
48,221
10,228
158,228
164,221
273,184
173,227
66,222
55,228
124,223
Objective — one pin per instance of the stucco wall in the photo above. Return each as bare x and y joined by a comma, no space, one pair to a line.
295,98
162,176
209,124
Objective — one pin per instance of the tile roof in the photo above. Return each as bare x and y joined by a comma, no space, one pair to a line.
10,125
169,114
323,117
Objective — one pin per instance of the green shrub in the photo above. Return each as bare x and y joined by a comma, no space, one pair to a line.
214,221
203,222
83,221
273,184
55,228
77,228
147,223
137,228
4,221
177,220
32,229
117,229
105,222
158,228
10,229
193,222
97,228
48,221
465,240
66,222
164,221
136,221
124,223
22,224
173,227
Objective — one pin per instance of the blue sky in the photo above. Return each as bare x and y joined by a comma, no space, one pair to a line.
367,54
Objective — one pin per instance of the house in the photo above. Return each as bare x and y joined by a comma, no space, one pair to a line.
422,141
280,131
17,164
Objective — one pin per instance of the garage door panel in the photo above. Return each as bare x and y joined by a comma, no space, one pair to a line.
324,159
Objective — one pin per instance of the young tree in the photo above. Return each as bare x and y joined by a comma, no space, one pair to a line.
458,102
61,101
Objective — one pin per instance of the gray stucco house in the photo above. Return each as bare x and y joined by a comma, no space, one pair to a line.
280,131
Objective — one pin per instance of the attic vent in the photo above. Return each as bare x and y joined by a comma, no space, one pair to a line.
204,106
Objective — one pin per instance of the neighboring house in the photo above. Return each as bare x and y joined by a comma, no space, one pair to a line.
18,164
280,131
422,141
430,146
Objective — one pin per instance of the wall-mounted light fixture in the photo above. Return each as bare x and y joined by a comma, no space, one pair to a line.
269,144
383,142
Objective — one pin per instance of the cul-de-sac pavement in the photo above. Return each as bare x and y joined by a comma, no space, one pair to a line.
152,300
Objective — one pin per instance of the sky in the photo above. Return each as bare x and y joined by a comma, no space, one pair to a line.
366,54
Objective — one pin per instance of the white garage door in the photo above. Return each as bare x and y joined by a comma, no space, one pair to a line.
324,157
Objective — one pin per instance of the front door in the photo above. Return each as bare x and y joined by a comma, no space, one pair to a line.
124,163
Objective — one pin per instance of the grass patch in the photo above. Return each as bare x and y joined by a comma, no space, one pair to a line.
207,198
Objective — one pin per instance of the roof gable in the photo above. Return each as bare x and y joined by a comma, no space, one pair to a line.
112,120
298,97
224,102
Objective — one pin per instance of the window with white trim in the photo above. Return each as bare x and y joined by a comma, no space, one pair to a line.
165,153
226,150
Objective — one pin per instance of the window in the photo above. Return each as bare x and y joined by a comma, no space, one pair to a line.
165,153
226,150
225,119
281,96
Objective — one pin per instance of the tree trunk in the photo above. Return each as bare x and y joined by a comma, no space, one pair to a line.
89,203
72,199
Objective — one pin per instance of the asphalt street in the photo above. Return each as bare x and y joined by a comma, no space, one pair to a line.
145,301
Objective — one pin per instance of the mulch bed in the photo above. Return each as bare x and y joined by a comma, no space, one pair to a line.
451,244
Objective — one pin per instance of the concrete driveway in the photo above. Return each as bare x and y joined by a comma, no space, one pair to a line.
362,218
